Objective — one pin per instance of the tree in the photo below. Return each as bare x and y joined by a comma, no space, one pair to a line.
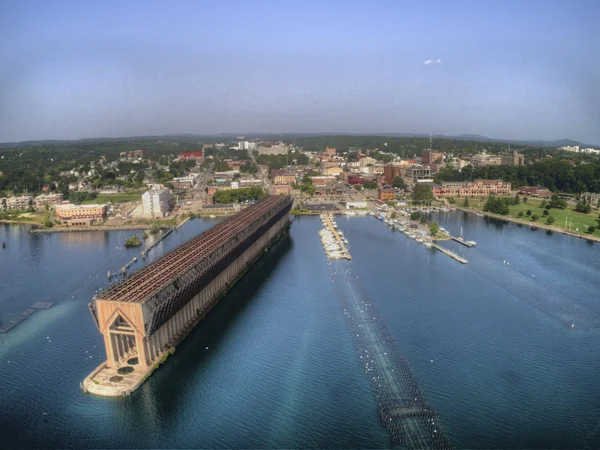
546,213
423,220
520,214
528,213
535,217
422,194
516,200
496,205
434,228
466,202
415,215
393,215
557,202
524,199
591,229
399,183
583,207
543,204
550,220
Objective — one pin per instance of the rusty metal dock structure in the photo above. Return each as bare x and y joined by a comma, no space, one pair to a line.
144,316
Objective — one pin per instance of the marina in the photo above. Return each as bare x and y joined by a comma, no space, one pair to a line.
475,354
332,240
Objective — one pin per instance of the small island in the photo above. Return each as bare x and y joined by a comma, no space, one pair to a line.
133,241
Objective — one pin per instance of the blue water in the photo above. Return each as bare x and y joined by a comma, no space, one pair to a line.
505,348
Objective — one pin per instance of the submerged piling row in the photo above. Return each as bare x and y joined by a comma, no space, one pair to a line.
402,406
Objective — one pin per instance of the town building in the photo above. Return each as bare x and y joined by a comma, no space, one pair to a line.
51,200
360,204
356,179
157,202
330,151
234,164
285,179
591,198
590,150
535,191
184,182
366,161
249,182
332,171
386,193
512,159
571,148
482,159
192,156
280,189
135,154
431,157
375,169
416,173
20,203
391,171
477,187
80,215
273,148
322,180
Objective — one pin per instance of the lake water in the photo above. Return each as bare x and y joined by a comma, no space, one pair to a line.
505,349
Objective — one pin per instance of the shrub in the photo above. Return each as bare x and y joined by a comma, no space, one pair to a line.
546,213
535,217
550,220
520,214
528,212
591,229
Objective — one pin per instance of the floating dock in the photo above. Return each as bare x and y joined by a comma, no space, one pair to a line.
450,253
143,317
24,315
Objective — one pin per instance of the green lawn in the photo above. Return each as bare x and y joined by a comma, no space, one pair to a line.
114,198
575,219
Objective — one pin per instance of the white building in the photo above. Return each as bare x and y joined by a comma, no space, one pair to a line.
356,204
19,203
590,150
571,148
157,202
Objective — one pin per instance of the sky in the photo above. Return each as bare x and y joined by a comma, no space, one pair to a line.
527,69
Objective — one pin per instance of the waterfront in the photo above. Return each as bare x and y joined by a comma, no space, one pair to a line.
490,343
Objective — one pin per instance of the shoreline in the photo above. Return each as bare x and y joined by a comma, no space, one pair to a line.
541,226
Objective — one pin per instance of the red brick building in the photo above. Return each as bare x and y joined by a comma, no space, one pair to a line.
477,187
535,191
330,151
196,156
356,179
390,172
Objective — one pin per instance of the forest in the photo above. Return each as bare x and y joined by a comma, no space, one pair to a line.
558,175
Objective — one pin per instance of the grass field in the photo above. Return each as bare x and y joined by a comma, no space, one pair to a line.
114,198
574,219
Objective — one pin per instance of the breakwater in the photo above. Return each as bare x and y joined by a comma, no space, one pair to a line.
403,409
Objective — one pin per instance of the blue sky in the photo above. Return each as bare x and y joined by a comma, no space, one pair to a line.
527,69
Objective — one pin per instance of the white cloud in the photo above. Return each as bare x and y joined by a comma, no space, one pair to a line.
432,61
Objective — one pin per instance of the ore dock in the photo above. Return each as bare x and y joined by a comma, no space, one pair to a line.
143,317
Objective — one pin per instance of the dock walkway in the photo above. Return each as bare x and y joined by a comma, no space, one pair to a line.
337,236
460,240
24,315
450,253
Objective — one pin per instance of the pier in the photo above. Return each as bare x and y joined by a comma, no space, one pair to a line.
330,236
460,240
403,409
143,317
450,253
